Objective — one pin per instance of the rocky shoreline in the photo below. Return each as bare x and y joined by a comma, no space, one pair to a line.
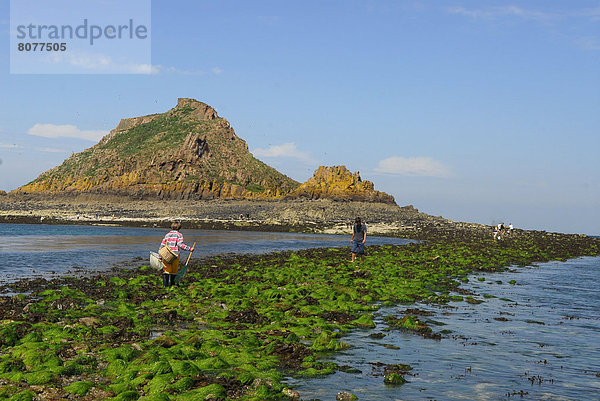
315,216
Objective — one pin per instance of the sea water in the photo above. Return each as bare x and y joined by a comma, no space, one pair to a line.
39,250
537,339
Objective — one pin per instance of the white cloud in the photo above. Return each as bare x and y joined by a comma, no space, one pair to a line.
524,13
469,13
142,69
588,43
285,150
51,150
549,18
413,166
161,69
504,11
101,63
89,61
592,13
67,131
8,145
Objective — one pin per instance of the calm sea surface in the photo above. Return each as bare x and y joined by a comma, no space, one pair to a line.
38,250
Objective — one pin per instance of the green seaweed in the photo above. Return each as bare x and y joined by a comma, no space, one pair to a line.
409,323
213,390
183,384
239,321
394,379
80,388
127,396
8,391
37,378
25,395
155,397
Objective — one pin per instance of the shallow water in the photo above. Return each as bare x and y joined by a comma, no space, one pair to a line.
548,347
49,250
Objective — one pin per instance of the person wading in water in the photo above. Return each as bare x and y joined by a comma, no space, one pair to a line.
174,240
359,237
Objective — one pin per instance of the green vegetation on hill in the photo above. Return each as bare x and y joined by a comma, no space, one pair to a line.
150,138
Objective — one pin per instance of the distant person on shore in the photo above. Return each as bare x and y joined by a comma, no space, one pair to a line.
359,237
495,232
174,240
499,231
510,227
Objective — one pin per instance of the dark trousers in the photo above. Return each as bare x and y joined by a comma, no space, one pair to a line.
168,279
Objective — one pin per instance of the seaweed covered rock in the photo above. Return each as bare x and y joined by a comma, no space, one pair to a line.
394,379
345,396
413,324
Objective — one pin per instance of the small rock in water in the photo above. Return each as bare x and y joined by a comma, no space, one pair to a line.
345,396
394,378
262,382
293,394
89,321
165,341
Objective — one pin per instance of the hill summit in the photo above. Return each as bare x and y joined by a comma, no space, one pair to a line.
189,152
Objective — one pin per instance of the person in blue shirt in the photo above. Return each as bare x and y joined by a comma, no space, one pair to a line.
359,237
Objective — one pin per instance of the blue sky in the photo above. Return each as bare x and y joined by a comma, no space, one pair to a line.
475,111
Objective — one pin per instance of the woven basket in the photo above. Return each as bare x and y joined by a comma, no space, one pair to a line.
167,254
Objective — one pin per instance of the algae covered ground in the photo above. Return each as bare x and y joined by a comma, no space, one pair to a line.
237,325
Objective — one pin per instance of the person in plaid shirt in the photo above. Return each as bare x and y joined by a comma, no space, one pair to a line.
174,240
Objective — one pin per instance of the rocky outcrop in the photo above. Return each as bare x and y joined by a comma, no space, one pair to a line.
200,111
338,183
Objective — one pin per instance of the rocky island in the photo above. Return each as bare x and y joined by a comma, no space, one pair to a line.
188,163
188,152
